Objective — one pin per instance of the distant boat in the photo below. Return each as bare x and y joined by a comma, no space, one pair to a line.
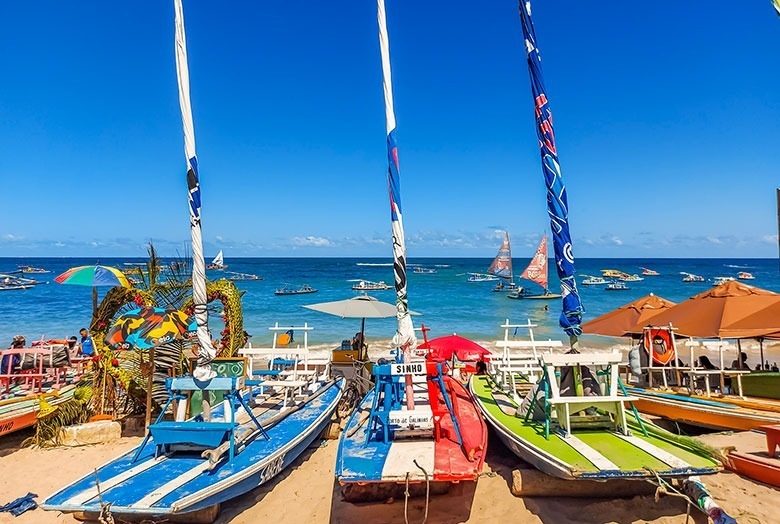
611,273
241,277
536,272
481,277
721,280
31,269
218,263
502,266
367,285
630,278
617,286
649,272
744,275
690,277
594,281
290,289
424,270
14,283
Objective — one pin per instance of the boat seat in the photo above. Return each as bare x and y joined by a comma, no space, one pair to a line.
205,434
188,383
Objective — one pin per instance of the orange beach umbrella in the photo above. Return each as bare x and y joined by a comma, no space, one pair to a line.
628,319
715,313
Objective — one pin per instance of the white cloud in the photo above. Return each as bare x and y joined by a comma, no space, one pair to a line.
312,241
617,241
219,238
714,240
12,238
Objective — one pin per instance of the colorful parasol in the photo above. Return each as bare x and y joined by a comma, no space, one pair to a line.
629,319
146,328
95,276
463,348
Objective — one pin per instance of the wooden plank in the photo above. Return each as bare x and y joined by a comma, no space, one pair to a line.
598,460
169,487
655,451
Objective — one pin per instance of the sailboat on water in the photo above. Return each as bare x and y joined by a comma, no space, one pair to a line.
239,439
537,272
218,264
502,266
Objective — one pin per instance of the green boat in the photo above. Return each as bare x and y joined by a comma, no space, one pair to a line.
762,385
554,434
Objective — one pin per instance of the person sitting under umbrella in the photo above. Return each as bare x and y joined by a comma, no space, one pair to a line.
358,342
735,364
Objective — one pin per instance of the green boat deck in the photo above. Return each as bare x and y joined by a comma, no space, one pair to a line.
564,457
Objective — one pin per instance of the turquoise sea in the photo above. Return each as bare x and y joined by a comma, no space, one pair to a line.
448,303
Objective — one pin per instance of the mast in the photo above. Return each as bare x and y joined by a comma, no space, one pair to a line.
206,350
404,337
557,201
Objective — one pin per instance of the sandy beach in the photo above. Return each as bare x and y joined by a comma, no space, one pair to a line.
308,493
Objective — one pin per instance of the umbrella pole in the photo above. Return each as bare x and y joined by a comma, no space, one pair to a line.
94,301
761,350
361,354
739,354
149,389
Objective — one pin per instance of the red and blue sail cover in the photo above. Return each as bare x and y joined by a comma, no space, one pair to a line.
557,202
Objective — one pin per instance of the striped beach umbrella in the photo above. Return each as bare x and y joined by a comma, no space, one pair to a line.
94,276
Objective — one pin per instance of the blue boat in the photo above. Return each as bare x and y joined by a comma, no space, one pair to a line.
191,467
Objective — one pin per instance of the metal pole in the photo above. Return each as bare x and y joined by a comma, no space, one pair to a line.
778,229
149,389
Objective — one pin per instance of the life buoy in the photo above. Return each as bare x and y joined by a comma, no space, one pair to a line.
658,344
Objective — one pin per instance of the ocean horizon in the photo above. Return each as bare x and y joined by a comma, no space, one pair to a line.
446,301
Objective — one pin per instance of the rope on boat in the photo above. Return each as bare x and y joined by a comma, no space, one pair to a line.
427,494
662,487
105,516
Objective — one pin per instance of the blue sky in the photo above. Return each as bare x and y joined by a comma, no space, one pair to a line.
667,118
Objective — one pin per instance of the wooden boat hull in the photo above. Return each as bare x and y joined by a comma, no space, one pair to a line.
16,414
153,487
590,453
763,385
756,467
443,461
708,414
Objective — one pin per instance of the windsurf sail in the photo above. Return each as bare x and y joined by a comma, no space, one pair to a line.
404,337
206,350
557,201
502,264
537,269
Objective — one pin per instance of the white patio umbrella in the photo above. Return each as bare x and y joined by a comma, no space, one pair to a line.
362,307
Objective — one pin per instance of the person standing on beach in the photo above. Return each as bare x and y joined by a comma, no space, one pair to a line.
86,349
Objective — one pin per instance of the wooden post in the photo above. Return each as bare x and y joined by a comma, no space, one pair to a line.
149,389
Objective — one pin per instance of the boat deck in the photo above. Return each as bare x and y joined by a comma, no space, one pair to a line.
392,461
587,453
181,482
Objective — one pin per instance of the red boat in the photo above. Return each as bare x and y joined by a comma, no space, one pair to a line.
760,466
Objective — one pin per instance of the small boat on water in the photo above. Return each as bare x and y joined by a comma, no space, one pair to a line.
594,281
242,277
31,269
218,264
9,282
424,270
690,277
536,272
721,280
481,277
630,278
611,273
617,286
367,285
744,275
649,272
501,267
291,289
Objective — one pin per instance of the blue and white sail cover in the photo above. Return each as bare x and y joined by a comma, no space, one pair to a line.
557,203
404,337
206,350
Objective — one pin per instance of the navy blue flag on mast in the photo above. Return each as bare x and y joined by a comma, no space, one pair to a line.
557,203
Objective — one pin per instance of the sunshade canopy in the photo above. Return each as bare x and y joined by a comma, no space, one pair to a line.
445,347
146,328
628,319
363,306
714,313
95,276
